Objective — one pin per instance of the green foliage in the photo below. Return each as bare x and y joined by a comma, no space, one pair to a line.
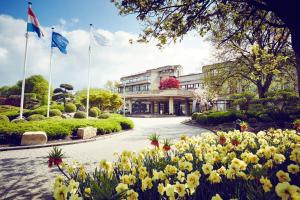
70,108
56,127
243,99
37,85
18,121
55,112
80,115
36,117
104,116
215,117
10,111
265,118
4,118
125,123
103,99
94,112
63,94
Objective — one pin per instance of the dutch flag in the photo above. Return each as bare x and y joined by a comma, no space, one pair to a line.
33,24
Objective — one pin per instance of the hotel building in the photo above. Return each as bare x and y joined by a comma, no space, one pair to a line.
143,96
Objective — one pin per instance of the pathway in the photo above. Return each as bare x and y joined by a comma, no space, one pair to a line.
24,173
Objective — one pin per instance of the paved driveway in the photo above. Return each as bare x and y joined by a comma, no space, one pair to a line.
24,173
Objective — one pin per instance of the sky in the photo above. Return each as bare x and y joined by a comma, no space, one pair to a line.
71,18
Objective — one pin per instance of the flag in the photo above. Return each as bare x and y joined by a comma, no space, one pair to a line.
33,24
99,38
60,42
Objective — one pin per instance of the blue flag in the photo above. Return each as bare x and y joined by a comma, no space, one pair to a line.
60,42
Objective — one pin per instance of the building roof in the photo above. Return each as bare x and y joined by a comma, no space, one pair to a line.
148,70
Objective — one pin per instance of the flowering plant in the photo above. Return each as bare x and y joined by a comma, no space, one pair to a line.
55,157
297,124
169,82
260,166
154,138
244,126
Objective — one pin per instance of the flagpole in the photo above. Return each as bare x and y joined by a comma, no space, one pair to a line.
24,70
89,75
50,78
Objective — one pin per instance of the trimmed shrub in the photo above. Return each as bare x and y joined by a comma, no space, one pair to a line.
70,108
57,128
36,117
94,112
4,118
80,115
104,116
55,112
18,120
125,123
265,118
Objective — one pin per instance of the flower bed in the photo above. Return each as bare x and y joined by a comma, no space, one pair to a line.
230,165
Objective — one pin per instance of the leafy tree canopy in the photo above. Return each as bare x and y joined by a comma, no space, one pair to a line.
169,20
102,99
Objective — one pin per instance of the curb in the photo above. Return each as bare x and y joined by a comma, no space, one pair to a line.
189,123
101,137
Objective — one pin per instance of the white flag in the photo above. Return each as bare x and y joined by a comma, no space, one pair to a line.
100,39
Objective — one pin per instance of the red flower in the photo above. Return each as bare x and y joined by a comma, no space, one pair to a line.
222,140
166,148
235,142
169,82
155,143
50,162
57,161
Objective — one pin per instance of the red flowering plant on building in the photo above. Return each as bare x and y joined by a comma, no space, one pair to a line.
168,83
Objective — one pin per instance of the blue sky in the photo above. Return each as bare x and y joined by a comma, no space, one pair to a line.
72,18
102,13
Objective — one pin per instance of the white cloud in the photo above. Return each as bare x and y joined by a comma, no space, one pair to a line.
108,63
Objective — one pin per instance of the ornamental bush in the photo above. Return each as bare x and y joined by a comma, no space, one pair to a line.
70,108
36,117
94,112
104,116
80,115
58,128
55,112
222,166
4,118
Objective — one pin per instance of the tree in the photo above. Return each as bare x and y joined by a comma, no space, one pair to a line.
112,86
168,20
63,93
168,83
36,87
102,99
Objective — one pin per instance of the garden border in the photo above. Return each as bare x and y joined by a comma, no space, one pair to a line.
100,137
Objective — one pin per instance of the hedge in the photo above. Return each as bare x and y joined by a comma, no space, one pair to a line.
36,117
55,112
94,112
80,115
13,112
60,128
252,116
70,108
4,118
